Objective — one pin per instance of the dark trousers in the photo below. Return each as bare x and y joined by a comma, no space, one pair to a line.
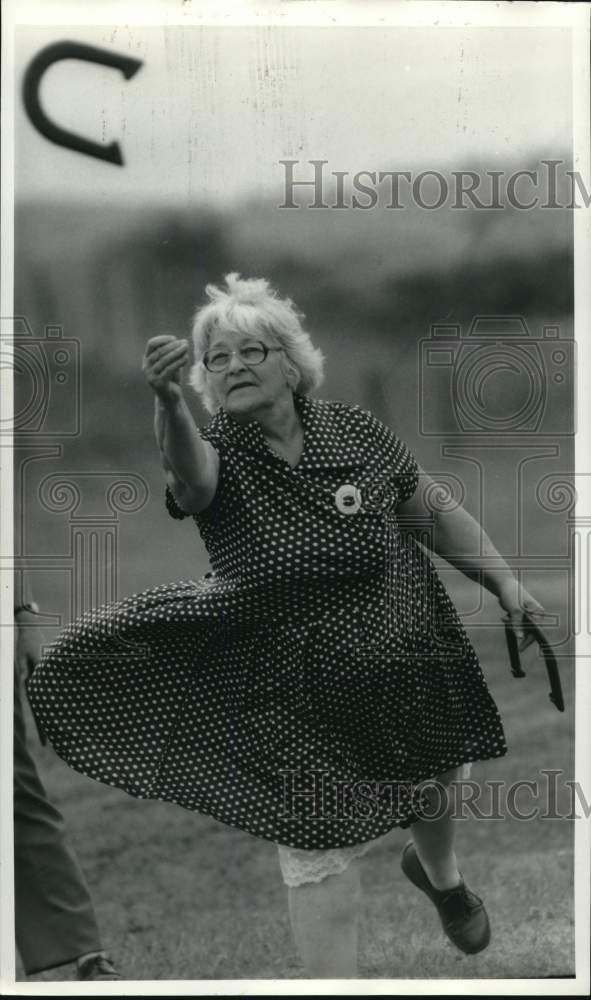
54,916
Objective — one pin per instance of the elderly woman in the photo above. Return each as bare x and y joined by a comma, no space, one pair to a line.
316,688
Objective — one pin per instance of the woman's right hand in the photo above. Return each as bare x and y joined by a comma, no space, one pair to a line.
163,360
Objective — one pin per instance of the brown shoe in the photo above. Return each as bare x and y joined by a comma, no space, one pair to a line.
462,913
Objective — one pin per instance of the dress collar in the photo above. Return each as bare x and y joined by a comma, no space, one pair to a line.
251,437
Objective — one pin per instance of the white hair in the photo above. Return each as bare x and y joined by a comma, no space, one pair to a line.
249,305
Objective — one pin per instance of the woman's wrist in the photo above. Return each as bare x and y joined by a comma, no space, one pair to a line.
501,581
170,400
166,411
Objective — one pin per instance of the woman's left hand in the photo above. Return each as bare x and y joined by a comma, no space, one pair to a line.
515,599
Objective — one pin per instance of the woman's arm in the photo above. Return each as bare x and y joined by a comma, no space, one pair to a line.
190,463
462,541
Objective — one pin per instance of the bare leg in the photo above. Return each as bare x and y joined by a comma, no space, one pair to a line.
324,918
434,838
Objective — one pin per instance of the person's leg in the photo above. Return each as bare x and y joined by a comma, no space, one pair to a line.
429,862
434,838
324,920
54,916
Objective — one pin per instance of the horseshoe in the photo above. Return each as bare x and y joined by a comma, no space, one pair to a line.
556,696
32,80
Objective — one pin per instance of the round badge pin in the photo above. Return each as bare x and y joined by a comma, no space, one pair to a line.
347,499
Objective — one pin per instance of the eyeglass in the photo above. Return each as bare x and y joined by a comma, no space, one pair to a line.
251,354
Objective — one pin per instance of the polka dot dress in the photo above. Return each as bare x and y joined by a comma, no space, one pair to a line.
303,688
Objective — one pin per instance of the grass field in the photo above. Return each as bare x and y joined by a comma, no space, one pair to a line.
181,896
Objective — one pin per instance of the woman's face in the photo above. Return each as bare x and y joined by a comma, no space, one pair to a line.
241,388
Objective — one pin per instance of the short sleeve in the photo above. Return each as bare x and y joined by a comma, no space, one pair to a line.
396,453
172,506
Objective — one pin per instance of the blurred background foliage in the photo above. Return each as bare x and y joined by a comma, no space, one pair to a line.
371,283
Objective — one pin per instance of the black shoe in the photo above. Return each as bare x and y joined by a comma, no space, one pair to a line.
97,967
461,911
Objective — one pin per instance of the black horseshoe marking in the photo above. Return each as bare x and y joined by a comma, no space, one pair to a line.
31,82
556,696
